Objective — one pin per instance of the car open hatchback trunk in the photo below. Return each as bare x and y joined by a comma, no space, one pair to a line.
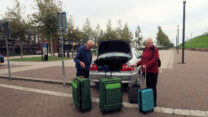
113,54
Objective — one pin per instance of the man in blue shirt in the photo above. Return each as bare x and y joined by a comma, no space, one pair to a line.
83,59
1,58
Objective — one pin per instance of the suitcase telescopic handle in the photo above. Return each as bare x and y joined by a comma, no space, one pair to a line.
140,69
145,76
140,76
110,72
106,68
145,73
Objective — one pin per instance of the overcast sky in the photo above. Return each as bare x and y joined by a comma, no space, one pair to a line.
149,14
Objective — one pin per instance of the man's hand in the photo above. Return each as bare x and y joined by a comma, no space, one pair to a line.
82,64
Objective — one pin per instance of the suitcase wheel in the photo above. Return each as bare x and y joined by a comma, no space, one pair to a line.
144,113
131,102
103,112
119,110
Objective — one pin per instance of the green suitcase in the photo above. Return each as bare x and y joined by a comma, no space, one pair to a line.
81,93
110,94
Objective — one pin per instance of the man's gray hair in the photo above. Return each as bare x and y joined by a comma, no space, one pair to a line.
91,42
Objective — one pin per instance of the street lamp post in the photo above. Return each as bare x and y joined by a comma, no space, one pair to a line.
177,39
184,11
176,45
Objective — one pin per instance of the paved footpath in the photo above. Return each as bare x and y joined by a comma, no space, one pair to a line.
182,91
185,85
52,70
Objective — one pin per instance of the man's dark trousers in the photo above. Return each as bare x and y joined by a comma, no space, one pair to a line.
84,73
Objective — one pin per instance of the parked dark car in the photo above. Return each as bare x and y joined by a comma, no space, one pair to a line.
1,58
120,57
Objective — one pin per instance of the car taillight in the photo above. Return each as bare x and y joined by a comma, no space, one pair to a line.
127,68
93,67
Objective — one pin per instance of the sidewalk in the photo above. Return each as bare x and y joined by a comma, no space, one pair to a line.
21,66
186,85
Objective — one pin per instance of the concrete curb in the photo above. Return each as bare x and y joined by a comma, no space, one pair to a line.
197,49
38,80
35,79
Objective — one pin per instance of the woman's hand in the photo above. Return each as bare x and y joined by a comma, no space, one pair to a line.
144,66
135,65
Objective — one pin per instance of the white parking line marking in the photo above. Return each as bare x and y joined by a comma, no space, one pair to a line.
125,104
36,90
182,112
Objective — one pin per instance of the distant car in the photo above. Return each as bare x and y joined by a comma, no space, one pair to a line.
116,52
1,58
